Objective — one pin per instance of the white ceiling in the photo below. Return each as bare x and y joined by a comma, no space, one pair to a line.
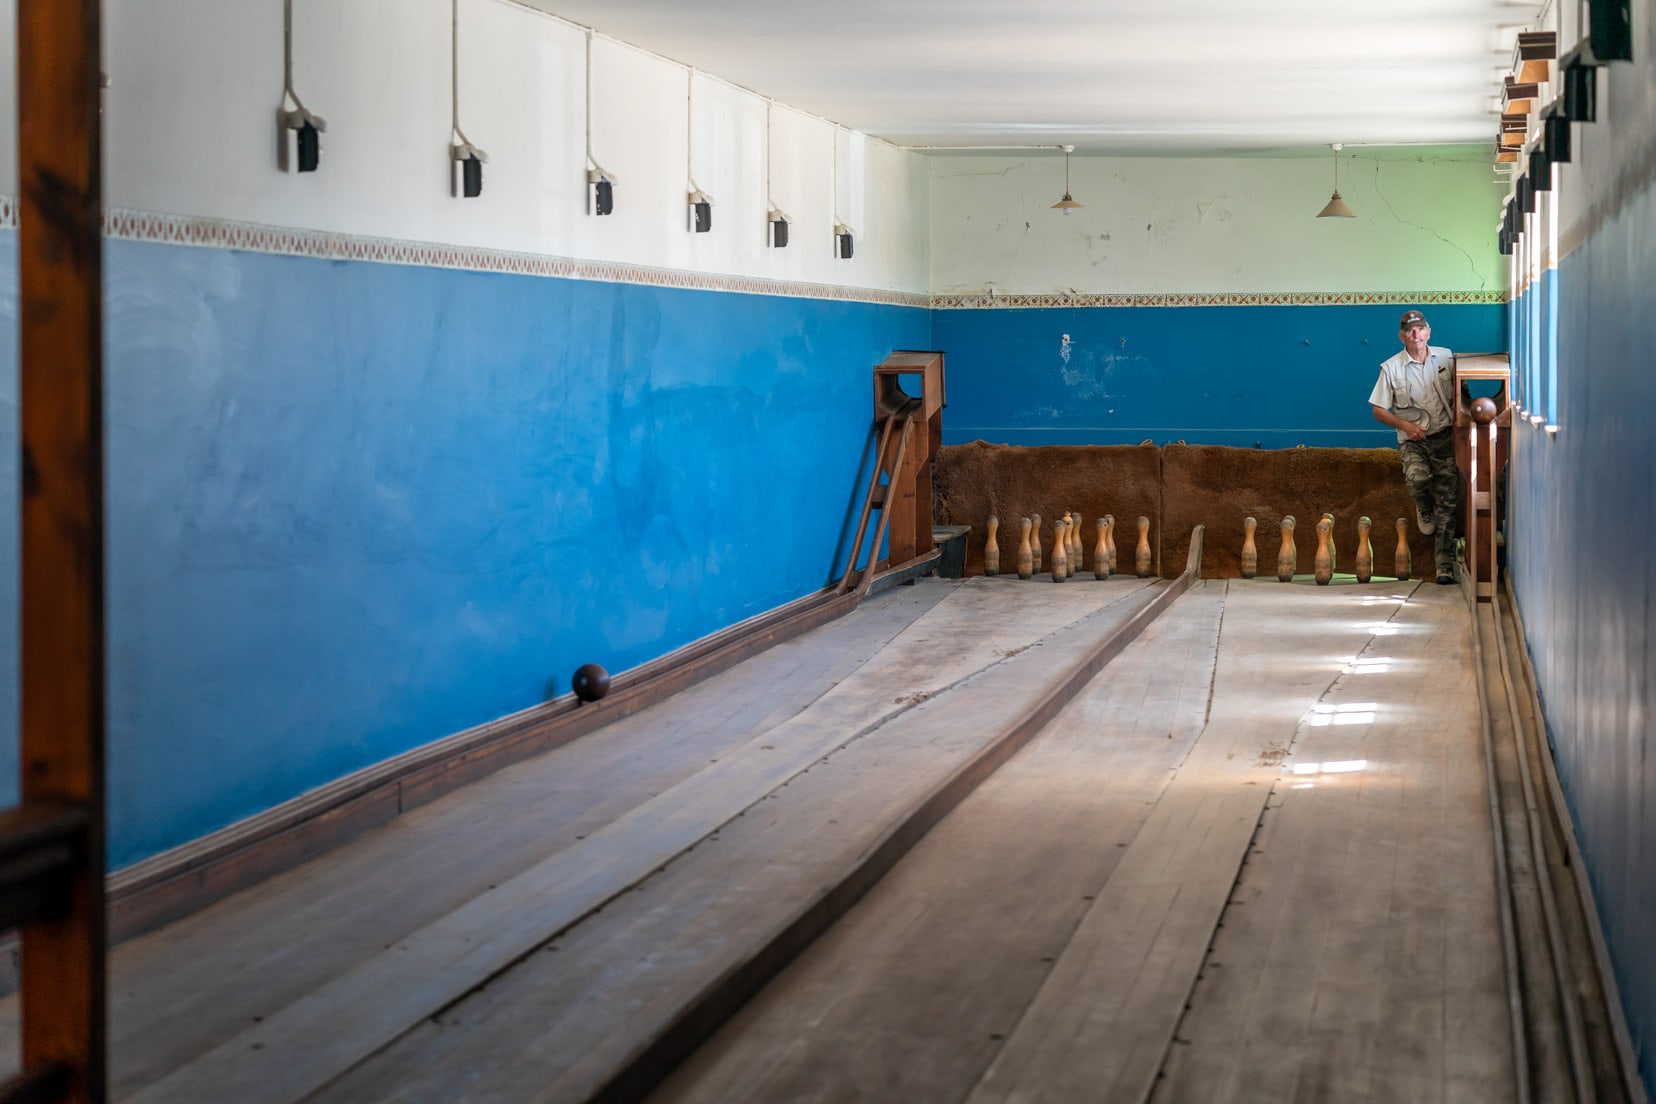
1108,76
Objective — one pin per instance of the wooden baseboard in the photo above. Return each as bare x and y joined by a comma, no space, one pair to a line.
175,883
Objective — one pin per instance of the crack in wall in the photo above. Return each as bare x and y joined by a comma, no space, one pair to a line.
1482,283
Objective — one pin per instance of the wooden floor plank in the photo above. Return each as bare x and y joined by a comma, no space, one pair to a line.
179,991
881,1008
1362,959
561,1023
399,986
1041,944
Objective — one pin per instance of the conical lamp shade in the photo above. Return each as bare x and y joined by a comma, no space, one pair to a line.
1336,206
1067,204
1336,209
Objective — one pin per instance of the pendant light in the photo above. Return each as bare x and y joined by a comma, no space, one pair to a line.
1336,206
1066,204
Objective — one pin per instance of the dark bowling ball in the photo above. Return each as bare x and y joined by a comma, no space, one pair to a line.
590,683
1484,410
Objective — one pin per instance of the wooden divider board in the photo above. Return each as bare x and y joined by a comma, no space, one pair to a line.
300,1047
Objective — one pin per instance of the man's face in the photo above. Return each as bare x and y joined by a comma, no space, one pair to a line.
1415,337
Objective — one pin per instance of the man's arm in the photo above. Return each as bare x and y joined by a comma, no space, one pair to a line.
1414,431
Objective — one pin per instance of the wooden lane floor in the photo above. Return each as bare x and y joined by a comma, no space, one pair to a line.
1320,822
272,993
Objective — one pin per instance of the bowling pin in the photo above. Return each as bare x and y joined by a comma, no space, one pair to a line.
1101,555
1035,542
991,549
1365,551
1060,550
1288,558
1026,568
1322,566
1075,542
1141,556
1109,541
1333,556
1405,566
1250,554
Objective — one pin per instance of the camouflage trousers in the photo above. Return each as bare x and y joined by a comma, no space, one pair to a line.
1434,481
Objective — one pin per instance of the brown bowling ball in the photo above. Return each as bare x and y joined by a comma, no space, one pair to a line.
591,682
1484,410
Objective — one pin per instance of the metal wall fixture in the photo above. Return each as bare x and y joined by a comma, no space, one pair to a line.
844,241
1336,207
1067,204
1610,29
465,159
776,220
600,181
298,130
700,214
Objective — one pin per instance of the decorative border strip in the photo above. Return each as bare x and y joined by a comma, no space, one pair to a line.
329,245
211,233
1214,299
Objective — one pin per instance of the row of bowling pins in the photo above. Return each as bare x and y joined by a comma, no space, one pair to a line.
1067,548
1323,562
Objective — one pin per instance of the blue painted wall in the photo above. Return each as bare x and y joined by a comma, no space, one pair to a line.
1267,376
1578,526
353,508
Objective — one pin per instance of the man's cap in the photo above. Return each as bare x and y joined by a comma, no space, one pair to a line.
1411,318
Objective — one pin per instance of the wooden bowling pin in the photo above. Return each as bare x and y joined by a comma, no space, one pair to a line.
1322,566
1060,550
1035,542
1076,545
1365,551
1288,558
1101,555
1405,565
991,549
1109,542
1026,561
1141,555
1333,556
1250,553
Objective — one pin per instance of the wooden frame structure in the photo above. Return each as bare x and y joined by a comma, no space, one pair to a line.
1481,453
908,472
52,845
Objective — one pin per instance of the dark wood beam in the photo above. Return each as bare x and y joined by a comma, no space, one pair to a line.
60,321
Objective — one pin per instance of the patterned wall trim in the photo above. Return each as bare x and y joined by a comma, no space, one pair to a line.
260,238
1215,299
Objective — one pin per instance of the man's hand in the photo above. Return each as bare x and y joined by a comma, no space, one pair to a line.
1414,431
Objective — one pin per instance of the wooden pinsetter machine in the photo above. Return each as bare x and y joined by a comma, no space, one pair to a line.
910,435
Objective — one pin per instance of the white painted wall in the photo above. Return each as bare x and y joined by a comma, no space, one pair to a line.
190,129
1426,222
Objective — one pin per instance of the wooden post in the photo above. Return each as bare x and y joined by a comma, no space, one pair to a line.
60,321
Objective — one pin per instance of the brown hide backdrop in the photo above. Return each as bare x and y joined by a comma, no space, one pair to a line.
1179,487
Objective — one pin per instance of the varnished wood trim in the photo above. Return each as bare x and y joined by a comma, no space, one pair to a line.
60,421
177,882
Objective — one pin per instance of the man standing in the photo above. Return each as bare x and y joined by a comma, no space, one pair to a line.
1415,395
